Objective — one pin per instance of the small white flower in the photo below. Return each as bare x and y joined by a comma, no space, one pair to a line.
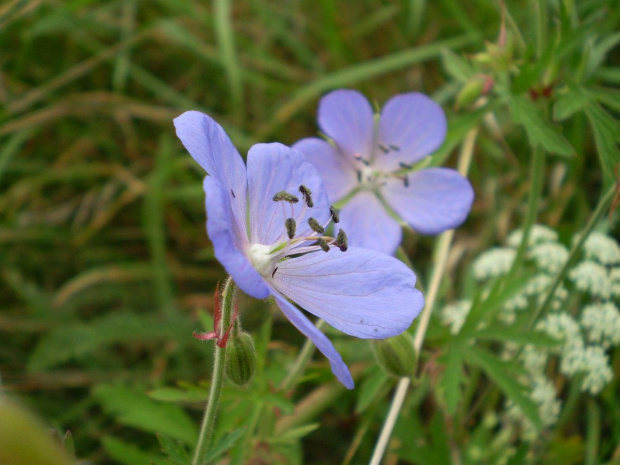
534,359
494,262
602,248
549,257
538,234
602,322
543,393
599,373
573,359
592,278
561,326
454,315
614,279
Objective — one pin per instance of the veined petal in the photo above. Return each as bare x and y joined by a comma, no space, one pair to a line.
338,173
435,199
209,145
273,168
347,117
368,225
412,126
361,292
295,316
227,244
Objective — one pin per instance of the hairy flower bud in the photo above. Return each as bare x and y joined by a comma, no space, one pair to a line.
396,355
240,359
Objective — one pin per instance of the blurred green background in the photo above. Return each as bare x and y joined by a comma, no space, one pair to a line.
104,260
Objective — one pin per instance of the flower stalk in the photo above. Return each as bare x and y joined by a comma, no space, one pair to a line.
208,421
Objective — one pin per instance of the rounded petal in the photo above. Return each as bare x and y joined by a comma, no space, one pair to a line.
369,225
412,126
361,292
209,145
227,240
339,175
273,168
435,199
347,117
339,368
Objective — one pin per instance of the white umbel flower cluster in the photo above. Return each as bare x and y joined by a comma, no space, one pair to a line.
454,315
602,323
493,263
602,248
538,234
549,257
592,278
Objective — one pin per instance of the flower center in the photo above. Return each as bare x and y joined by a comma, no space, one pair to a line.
290,244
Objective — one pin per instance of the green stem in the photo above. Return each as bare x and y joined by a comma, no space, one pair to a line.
540,10
208,421
600,208
300,364
593,434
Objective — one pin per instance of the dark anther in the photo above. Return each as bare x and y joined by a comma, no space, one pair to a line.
273,273
406,180
286,197
383,148
290,227
341,241
307,195
335,214
405,166
323,245
359,176
232,192
396,148
315,226
359,158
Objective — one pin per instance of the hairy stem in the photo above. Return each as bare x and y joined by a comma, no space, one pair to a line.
208,421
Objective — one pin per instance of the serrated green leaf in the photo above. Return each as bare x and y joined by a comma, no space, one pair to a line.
295,433
125,453
135,409
599,52
570,103
369,389
224,444
606,133
607,96
504,333
174,450
498,371
456,66
538,130
169,394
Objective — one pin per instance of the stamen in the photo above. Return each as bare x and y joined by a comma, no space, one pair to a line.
324,246
341,241
383,148
396,148
358,157
359,176
315,226
286,197
232,192
291,226
273,273
335,214
307,195
405,165
406,180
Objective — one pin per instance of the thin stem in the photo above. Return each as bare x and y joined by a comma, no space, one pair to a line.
302,360
600,209
208,421
540,11
445,241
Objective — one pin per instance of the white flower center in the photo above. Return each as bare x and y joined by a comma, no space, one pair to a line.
262,260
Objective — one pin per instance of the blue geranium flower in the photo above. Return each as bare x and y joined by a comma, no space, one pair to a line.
368,162
268,227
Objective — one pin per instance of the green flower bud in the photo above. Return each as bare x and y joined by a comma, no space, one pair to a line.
470,92
396,355
240,359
